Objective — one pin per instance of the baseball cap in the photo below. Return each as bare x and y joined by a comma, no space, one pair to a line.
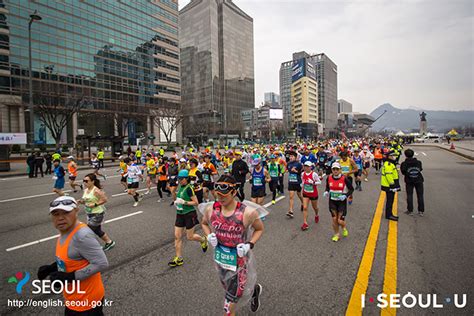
182,160
239,153
256,161
70,157
65,203
336,165
308,163
183,174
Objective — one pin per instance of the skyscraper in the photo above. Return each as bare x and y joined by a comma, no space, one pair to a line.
122,57
272,99
326,78
343,106
217,66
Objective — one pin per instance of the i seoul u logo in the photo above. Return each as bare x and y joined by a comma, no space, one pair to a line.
20,280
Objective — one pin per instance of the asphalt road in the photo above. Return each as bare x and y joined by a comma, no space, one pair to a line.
301,272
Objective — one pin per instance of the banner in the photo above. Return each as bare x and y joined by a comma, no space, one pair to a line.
12,138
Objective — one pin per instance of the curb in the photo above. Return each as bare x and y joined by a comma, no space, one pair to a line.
19,174
448,150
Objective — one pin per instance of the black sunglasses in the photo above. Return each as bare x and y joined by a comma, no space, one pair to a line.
224,187
62,202
85,181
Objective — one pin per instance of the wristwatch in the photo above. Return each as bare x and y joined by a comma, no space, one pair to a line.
251,244
95,204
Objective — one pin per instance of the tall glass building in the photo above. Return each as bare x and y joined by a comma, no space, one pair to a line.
217,67
122,57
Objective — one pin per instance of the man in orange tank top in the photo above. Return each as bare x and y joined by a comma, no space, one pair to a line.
80,277
72,170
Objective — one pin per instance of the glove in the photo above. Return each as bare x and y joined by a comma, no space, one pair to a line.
179,201
342,197
46,270
310,181
326,194
62,276
242,249
212,239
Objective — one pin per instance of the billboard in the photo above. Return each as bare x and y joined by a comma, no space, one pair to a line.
310,71
298,70
276,114
43,135
12,138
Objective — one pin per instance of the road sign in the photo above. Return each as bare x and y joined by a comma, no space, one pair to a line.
80,131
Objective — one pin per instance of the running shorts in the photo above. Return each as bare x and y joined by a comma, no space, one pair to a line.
359,173
133,185
234,282
258,193
338,207
173,182
123,179
311,198
188,220
72,178
367,165
294,187
59,184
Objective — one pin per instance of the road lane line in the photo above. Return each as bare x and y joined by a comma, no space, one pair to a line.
125,193
31,196
423,153
56,236
277,199
362,280
391,268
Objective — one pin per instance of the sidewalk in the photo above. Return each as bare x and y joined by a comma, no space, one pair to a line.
18,169
461,148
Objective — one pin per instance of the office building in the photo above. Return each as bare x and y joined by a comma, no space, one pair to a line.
272,99
121,58
217,67
326,78
343,106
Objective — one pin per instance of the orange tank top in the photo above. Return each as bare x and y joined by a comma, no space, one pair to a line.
92,286
72,170
377,153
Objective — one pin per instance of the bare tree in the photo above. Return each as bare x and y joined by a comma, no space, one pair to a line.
55,111
168,119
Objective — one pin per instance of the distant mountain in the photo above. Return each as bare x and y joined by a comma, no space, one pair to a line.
406,119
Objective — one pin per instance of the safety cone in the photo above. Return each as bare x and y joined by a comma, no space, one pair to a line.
452,146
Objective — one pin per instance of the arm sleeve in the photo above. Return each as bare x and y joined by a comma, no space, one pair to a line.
350,188
327,184
90,249
316,178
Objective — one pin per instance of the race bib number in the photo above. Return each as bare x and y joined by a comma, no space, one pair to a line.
345,169
321,159
61,265
273,174
309,188
129,180
293,177
335,195
226,257
257,182
206,177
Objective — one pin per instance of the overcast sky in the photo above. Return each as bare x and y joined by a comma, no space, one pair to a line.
408,53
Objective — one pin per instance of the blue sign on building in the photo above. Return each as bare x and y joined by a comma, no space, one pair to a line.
298,70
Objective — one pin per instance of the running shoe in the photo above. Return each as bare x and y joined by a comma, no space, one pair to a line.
304,227
409,213
140,197
82,187
273,202
255,301
126,190
203,243
420,214
316,219
105,177
161,200
135,204
263,218
345,232
350,200
289,214
109,245
172,203
147,192
176,262
366,180
360,188
335,238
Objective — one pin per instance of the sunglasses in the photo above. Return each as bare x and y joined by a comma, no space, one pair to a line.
85,181
224,188
63,202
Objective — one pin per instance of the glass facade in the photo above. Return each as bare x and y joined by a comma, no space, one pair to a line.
216,41
122,56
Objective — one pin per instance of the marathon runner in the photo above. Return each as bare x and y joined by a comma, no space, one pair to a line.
173,178
348,168
96,165
338,189
258,178
186,218
358,159
79,256
233,228
310,180
195,178
72,169
123,173
378,158
58,176
150,172
163,179
94,200
208,173
368,159
134,174
274,169
240,169
295,168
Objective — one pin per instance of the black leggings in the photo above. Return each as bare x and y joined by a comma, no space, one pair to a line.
161,186
240,192
274,187
97,230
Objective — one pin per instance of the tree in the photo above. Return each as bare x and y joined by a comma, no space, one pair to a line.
55,111
168,119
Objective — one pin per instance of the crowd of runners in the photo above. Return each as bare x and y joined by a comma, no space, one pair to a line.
208,187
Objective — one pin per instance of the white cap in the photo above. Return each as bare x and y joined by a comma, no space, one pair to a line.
65,203
182,160
336,165
308,163
70,157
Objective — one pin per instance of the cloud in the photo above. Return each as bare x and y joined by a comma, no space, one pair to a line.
406,52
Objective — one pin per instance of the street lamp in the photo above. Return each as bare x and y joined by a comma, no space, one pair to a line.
33,17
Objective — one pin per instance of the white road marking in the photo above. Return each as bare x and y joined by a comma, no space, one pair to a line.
423,153
416,154
56,236
278,199
125,193
31,196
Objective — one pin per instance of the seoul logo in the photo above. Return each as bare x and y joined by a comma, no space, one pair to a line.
20,280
